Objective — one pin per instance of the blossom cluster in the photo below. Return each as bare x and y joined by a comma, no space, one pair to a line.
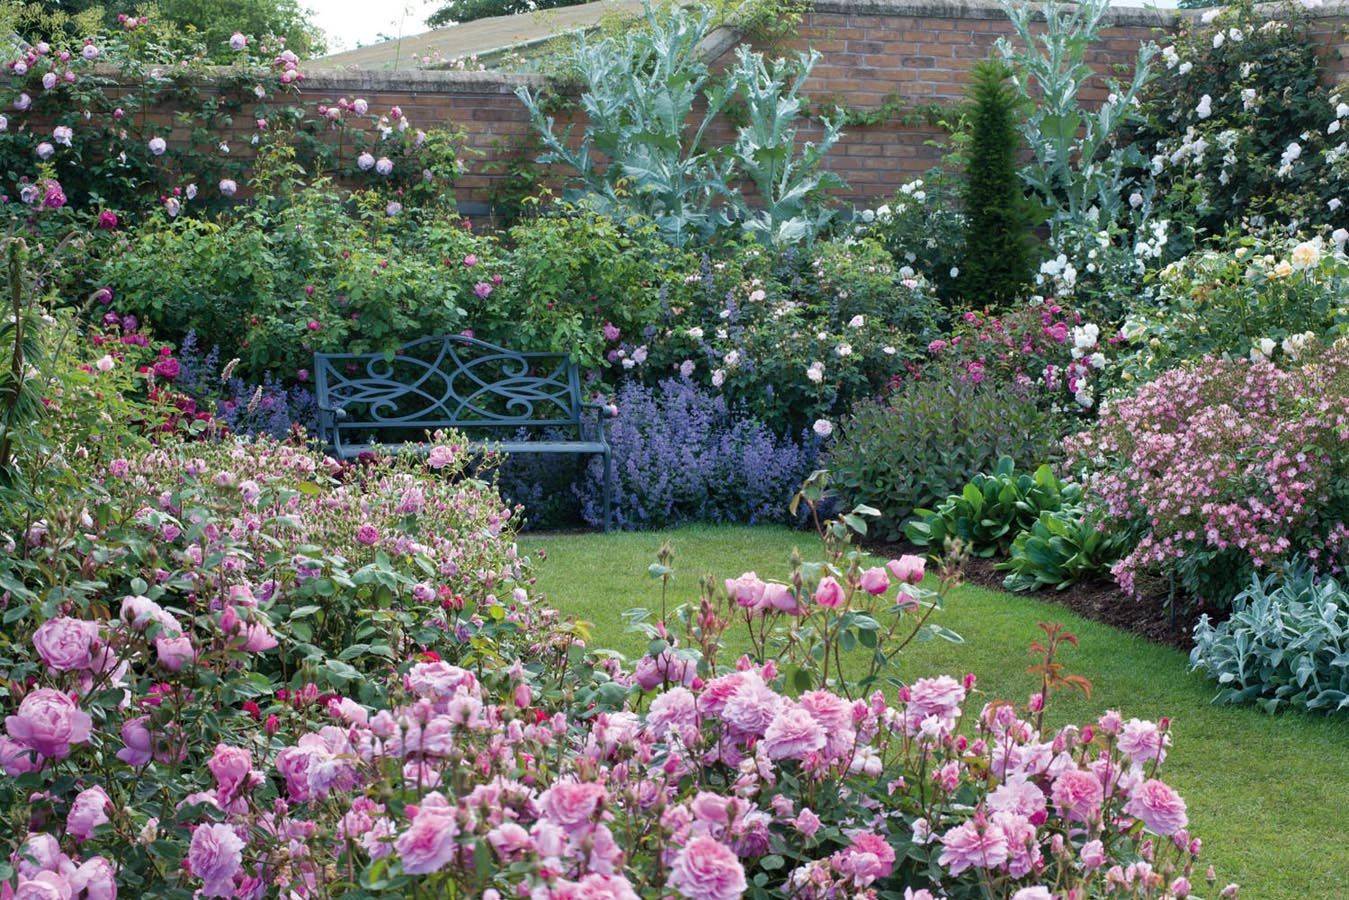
1225,467
1043,345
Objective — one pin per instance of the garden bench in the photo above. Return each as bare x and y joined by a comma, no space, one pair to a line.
369,400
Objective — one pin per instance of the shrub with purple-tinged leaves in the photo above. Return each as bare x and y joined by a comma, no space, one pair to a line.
682,453
267,407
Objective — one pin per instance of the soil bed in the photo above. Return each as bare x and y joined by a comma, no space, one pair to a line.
1099,599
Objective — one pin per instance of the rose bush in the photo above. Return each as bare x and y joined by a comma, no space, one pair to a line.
142,770
1264,299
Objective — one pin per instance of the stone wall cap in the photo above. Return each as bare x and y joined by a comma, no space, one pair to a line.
991,9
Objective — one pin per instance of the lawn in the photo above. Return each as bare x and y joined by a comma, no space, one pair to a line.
1266,793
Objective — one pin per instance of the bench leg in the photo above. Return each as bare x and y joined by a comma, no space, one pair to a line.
608,488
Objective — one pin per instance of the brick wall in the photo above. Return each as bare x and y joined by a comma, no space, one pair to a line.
872,50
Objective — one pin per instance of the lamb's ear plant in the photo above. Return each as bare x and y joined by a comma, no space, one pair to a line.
1285,645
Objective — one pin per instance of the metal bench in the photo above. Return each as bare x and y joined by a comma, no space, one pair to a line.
367,400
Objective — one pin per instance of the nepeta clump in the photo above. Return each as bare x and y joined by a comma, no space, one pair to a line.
1225,468
682,453
268,407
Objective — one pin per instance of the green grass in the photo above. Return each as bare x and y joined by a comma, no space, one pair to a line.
1268,794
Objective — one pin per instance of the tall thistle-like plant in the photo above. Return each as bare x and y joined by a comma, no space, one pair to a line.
1075,166
998,262
789,184
637,152
649,99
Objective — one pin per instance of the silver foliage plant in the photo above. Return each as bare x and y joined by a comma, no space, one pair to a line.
1076,168
645,146
1286,644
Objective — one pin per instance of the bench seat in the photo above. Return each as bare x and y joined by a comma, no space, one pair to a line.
393,400
585,447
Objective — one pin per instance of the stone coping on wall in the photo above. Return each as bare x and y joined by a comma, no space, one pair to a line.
337,81
981,9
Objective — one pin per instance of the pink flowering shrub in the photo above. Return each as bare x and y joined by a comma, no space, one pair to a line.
1224,469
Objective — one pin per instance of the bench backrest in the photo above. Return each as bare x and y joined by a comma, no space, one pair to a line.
448,382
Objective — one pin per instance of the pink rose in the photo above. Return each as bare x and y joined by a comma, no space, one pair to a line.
1078,795
866,859
509,840
257,638
793,734
781,598
1092,855
174,653
875,582
829,593
139,742
1161,809
707,869
66,644
908,568
16,760
746,591
44,886
89,811
572,805
95,878
428,844
231,767
49,722
215,856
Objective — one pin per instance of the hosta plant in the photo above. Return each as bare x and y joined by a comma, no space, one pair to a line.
1285,644
992,509
1060,549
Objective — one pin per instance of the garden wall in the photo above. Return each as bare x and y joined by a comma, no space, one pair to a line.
908,58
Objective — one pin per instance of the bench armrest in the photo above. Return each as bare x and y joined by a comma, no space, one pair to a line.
604,412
